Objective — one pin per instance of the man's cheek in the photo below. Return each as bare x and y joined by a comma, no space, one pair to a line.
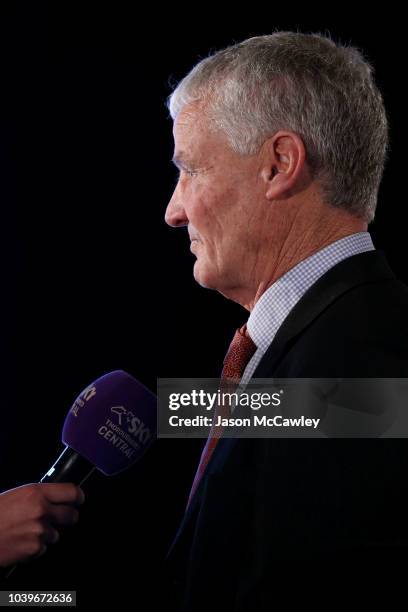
197,209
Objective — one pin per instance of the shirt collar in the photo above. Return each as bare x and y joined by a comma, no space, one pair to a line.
277,301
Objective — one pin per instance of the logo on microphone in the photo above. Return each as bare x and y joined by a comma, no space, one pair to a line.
133,424
89,392
86,394
120,411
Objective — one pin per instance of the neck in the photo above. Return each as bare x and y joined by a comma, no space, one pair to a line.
297,246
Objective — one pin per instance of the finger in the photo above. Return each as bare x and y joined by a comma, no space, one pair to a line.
50,535
63,493
43,550
62,515
28,558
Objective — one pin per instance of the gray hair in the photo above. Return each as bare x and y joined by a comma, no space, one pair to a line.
305,83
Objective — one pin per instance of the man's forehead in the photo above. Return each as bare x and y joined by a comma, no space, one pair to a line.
185,124
185,118
193,137
190,135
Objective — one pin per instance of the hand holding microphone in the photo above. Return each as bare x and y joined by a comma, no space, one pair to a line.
109,427
30,515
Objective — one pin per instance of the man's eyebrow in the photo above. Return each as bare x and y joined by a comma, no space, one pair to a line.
180,159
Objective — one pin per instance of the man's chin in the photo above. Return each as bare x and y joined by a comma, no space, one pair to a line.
203,277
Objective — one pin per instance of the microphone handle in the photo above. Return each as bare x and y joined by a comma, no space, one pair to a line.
69,467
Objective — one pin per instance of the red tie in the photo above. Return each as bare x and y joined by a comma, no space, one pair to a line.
238,355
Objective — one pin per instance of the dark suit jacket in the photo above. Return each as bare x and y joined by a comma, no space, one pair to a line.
266,501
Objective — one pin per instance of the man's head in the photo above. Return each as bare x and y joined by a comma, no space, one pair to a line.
270,134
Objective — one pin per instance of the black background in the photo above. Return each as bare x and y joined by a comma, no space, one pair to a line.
92,278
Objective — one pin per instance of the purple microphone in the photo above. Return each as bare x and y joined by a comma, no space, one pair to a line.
109,427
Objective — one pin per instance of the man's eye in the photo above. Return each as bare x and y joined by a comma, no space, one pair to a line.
190,173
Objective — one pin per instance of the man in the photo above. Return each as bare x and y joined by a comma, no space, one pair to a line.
30,516
281,141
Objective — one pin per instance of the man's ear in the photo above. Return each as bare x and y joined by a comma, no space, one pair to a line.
285,157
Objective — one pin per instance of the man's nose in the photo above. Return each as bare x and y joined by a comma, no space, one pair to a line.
175,213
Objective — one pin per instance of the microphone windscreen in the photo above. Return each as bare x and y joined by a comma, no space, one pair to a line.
112,422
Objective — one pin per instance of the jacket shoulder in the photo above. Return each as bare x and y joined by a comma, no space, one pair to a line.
364,333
